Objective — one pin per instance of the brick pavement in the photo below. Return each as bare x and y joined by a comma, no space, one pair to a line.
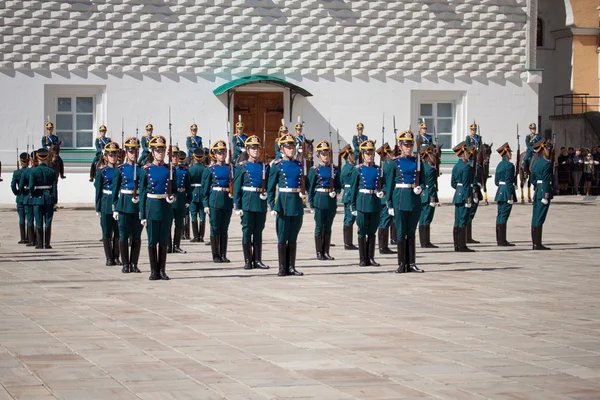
496,324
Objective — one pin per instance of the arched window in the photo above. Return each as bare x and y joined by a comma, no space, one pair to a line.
540,32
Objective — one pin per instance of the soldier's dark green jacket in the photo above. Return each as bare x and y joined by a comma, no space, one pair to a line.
505,180
247,186
429,195
196,175
541,178
103,186
462,182
347,181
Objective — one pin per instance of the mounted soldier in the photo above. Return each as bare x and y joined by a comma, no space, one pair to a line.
358,138
192,143
101,141
52,143
146,157
238,142
530,139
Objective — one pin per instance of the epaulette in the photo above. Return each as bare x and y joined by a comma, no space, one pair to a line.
183,167
242,163
121,166
277,162
147,166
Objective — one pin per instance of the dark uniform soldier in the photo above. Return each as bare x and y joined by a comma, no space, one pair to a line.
196,174
145,142
192,143
429,197
238,142
366,203
183,199
100,143
462,182
541,178
424,138
51,141
126,206
42,189
250,201
477,168
506,193
104,204
404,184
473,139
323,187
358,139
18,192
156,211
218,203
283,131
533,137
285,199
298,135
28,200
385,220
347,181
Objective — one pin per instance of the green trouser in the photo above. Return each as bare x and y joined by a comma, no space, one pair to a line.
197,208
461,214
29,215
324,221
158,232
406,224
349,219
219,221
43,214
427,213
504,210
472,212
385,219
21,212
253,224
129,224
288,229
109,225
179,215
539,213
367,223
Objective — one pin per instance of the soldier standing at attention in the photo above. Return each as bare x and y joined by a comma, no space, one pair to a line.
145,158
101,142
424,137
17,190
285,199
366,203
250,201
104,204
385,220
323,187
347,181
429,197
405,182
238,140
27,199
183,199
192,143
218,203
462,182
42,189
529,140
541,178
196,174
477,194
473,139
156,211
506,193
283,131
358,139
125,206
51,142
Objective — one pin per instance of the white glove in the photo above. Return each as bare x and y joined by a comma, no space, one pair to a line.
300,150
475,200
263,196
312,210
302,196
545,202
380,195
115,215
432,204
171,199
239,212
332,194
187,205
418,190
207,210
273,212
98,214
468,205
144,222
510,202
135,199
354,213
243,150
392,212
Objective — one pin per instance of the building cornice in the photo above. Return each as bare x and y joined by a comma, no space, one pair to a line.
574,31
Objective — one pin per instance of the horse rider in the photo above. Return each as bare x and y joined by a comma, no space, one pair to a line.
15,186
506,193
52,143
429,197
183,198
238,142
473,138
385,220
192,143
42,192
196,209
425,139
347,181
533,137
283,131
358,138
542,174
299,136
145,158
462,182
100,143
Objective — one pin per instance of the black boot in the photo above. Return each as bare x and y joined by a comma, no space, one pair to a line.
537,238
108,251
223,248
196,237
30,236
412,257
246,247
214,246
39,235
47,237
470,234
348,245
153,256
319,247
201,230
124,248
427,233
257,255
371,251
22,232
291,256
115,250
61,168
282,258
162,262
383,238
170,245
326,246
362,252
393,235
401,246
186,229
422,238
462,241
501,236
455,232
136,246
177,241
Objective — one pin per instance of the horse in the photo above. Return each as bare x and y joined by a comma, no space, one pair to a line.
525,175
483,159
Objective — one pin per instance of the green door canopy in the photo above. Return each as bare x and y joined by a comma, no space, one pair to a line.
260,79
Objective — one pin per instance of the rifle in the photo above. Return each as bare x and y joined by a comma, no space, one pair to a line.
339,149
135,166
438,151
264,151
18,160
170,182
331,179
396,149
122,133
302,183
417,176
474,171
229,144
518,156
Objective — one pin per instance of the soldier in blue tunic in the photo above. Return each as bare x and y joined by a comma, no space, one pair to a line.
192,143
429,197
357,139
146,157
100,143
283,131
238,140
157,184
462,182
385,220
250,202
473,139
27,200
366,202
104,204
542,174
42,192
183,198
125,206
196,174
424,138
346,179
323,187
15,186
285,196
218,204
533,137
506,193
51,141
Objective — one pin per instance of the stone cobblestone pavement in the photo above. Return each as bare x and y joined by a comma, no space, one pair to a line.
496,324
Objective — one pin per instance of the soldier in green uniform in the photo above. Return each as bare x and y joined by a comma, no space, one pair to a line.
366,202
196,174
285,196
217,199
145,142
283,130
506,193
542,173
462,182
27,200
42,189
323,187
385,220
404,184
347,181
18,192
100,143
104,204
357,139
250,202
477,168
429,197
182,200
157,184
125,206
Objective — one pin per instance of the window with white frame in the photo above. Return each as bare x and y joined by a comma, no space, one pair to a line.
439,117
75,120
